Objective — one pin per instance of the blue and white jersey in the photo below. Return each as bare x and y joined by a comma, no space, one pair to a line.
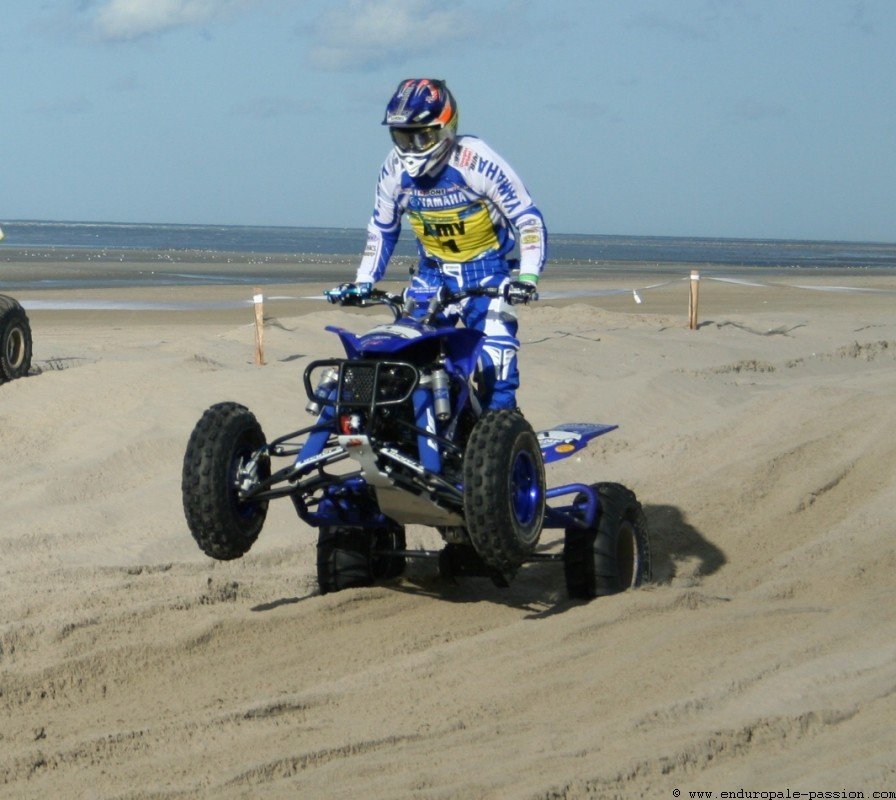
475,208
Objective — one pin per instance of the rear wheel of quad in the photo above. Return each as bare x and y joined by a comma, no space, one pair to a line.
221,444
349,557
504,491
15,340
614,554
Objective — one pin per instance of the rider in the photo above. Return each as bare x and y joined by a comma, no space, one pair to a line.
468,209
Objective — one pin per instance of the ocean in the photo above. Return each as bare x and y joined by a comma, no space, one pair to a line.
570,255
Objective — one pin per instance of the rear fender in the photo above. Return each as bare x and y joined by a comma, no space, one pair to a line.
562,441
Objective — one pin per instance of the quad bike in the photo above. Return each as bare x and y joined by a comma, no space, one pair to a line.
401,415
15,340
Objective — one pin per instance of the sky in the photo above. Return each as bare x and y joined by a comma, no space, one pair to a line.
720,118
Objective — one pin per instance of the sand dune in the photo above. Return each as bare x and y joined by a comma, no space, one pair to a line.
761,658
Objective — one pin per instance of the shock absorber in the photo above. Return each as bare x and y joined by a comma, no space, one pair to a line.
328,381
441,394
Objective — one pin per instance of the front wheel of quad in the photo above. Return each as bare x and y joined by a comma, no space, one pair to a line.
504,490
220,447
614,553
349,557
15,340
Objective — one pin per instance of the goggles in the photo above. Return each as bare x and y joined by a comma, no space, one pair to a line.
418,140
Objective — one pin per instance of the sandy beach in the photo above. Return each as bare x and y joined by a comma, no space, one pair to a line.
761,658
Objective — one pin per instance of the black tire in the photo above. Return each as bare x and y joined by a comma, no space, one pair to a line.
15,340
504,490
223,526
614,554
343,558
346,556
461,560
390,537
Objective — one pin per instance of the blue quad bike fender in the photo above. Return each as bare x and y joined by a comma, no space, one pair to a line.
561,442
463,344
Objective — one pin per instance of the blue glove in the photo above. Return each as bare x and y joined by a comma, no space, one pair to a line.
348,293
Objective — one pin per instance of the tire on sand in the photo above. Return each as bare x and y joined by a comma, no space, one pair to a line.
222,442
614,554
348,556
15,340
504,490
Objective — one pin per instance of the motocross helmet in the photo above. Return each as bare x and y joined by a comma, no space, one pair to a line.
422,120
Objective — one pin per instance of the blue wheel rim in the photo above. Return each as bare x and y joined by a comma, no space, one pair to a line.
525,491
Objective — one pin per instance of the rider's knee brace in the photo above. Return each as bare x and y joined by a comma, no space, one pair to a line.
499,374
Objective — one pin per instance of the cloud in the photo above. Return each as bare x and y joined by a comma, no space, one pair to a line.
123,20
361,34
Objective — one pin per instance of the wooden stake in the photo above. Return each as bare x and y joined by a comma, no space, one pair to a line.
258,300
692,300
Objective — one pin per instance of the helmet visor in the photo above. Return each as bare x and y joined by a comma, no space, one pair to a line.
417,140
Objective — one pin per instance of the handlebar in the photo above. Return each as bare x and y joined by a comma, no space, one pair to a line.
377,297
403,306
